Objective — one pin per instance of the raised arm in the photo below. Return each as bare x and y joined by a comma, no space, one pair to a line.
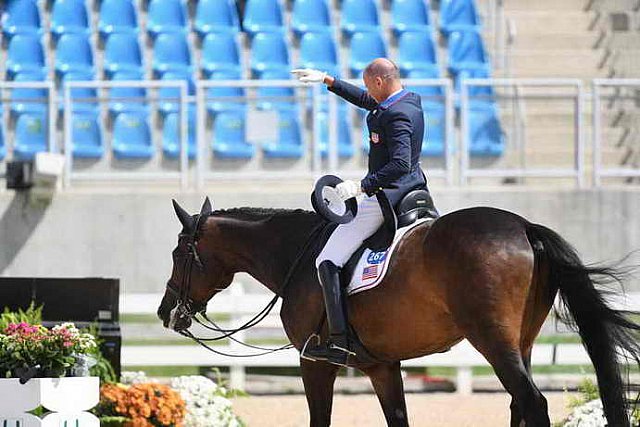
349,92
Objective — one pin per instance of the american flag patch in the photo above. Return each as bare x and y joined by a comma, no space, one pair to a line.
370,272
375,138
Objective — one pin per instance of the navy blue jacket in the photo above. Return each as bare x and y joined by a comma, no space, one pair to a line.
396,131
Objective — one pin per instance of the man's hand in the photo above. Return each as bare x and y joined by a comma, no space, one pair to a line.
348,189
307,75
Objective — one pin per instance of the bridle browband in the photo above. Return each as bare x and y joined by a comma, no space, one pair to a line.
186,307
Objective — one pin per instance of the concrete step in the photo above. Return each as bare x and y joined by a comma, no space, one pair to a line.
557,63
551,21
561,40
546,5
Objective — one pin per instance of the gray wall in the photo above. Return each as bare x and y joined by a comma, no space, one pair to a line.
131,235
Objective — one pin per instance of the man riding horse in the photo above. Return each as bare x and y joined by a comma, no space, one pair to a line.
396,130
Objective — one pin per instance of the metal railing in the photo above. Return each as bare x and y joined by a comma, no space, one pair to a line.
577,96
600,169
70,174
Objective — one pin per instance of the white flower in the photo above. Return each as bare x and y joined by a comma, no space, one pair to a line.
589,414
130,377
207,405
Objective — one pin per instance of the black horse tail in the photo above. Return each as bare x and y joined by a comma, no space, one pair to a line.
606,333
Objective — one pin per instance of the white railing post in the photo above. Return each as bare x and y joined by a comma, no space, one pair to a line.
579,147
464,380
449,142
68,132
596,131
237,375
201,117
464,131
184,136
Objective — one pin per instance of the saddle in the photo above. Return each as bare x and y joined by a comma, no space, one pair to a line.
416,204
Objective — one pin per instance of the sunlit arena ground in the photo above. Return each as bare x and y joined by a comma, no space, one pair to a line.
427,409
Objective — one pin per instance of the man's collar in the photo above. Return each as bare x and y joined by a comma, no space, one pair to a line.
392,98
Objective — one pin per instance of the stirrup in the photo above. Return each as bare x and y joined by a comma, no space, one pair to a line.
306,344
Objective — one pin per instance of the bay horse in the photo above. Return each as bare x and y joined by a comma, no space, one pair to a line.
483,274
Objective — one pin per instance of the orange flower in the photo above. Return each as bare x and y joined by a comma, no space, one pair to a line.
146,405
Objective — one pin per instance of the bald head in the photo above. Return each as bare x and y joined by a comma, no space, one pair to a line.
383,68
382,78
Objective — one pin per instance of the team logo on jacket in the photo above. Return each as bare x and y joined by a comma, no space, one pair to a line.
375,138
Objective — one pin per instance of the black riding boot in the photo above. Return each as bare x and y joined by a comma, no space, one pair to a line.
336,350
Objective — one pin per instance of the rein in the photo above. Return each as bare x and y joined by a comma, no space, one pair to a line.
189,308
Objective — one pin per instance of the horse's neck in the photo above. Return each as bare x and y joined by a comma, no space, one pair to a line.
267,250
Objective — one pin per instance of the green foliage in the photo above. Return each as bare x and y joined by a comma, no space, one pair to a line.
102,368
588,391
32,315
113,421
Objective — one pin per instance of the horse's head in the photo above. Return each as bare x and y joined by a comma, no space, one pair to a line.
198,270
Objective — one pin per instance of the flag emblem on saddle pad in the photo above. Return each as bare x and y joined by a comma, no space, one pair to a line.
370,272
375,138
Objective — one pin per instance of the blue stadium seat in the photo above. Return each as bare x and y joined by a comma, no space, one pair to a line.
117,16
229,136
268,53
458,15
345,148
3,147
318,51
275,98
81,97
166,16
127,99
220,53
30,135
416,51
216,16
169,97
410,15
364,48
359,16
86,135
122,53
466,51
21,17
74,53
171,53
261,16
171,135
25,54
132,136
435,130
217,94
431,95
27,100
310,16
289,142
69,16
486,138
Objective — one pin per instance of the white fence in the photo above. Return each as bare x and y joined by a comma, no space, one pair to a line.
241,306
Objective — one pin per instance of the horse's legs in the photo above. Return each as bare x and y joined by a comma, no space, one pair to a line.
387,382
318,379
516,416
527,398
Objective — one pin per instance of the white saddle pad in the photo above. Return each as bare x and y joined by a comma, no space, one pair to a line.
373,265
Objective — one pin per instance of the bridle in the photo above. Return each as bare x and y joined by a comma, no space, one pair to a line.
187,308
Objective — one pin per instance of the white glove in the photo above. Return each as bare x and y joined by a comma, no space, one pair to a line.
307,75
348,189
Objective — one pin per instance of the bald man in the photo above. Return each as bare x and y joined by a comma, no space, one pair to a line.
396,129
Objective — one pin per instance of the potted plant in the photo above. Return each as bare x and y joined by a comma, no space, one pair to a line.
34,362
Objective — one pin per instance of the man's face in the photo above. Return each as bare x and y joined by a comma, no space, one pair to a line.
374,86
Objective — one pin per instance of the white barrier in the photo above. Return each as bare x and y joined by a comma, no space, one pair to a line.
463,357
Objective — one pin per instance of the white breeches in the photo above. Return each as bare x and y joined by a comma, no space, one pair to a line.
346,238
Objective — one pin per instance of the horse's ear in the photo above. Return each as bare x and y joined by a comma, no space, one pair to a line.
206,207
185,219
